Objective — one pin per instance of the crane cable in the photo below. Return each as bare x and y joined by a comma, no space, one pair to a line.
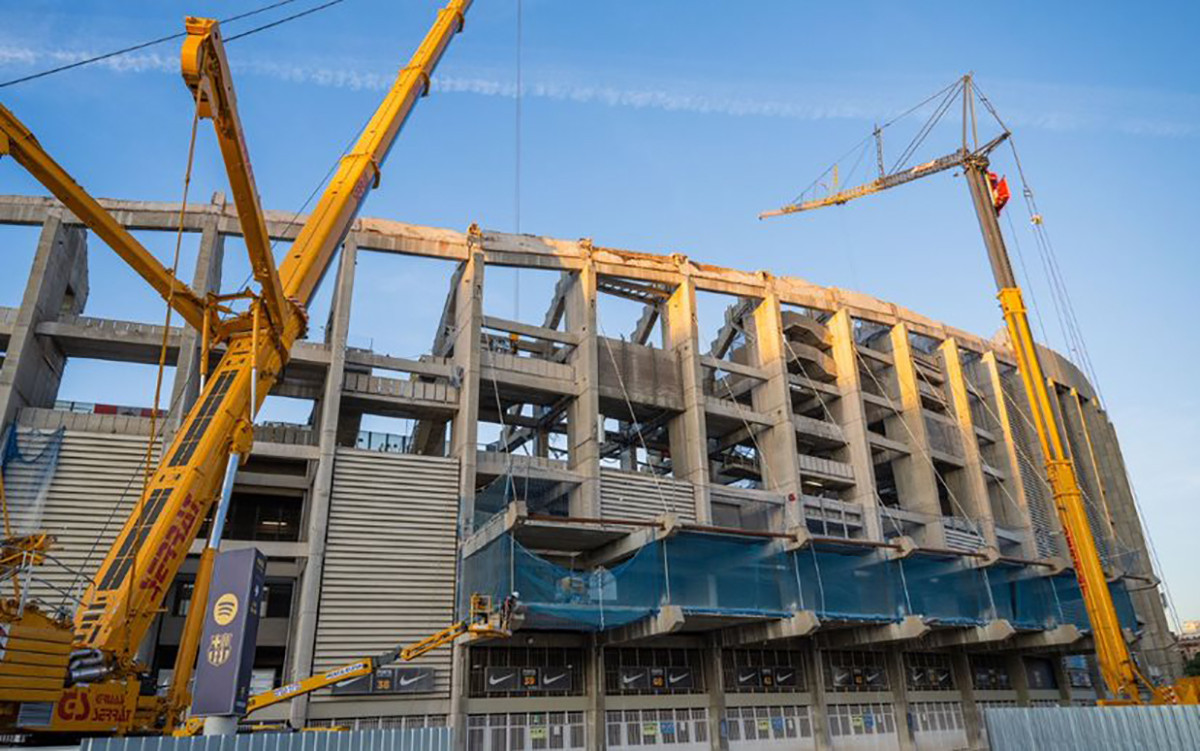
171,37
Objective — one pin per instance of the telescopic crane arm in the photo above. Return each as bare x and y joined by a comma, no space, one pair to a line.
1121,675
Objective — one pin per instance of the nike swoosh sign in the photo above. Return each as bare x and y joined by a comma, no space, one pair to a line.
746,677
495,681
676,678
554,679
783,677
627,679
410,681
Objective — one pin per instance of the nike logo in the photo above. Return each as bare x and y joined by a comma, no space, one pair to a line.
746,677
783,677
627,679
495,680
676,678
409,681
554,679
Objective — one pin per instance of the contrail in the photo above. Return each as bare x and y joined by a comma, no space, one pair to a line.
1118,111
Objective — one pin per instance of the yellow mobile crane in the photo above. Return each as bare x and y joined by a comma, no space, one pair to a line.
84,676
1125,682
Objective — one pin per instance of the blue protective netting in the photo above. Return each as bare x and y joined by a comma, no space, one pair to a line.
28,460
1024,598
735,576
944,591
849,583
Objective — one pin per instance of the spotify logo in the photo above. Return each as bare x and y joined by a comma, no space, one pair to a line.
225,609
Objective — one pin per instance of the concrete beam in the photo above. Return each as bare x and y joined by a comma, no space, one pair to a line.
1060,637
800,624
668,525
993,633
527,251
668,620
908,629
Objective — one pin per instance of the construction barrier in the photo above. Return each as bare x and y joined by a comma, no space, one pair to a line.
1093,728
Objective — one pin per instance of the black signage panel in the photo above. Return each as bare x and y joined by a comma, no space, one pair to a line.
393,680
555,679
226,656
679,678
785,677
634,678
529,679
502,679
748,677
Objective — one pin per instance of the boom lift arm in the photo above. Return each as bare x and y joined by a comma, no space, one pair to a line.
483,623
1125,682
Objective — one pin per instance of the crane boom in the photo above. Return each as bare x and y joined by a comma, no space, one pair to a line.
1121,675
129,587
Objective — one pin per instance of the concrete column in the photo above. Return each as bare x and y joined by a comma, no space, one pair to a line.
960,663
1063,680
58,283
973,491
780,462
1158,644
206,278
583,412
898,680
716,695
1018,676
852,417
820,695
688,430
1090,479
465,361
322,488
464,432
594,718
994,392
916,479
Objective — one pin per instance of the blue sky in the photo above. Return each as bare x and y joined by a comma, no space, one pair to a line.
666,127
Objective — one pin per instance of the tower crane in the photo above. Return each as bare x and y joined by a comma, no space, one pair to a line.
83,675
1125,682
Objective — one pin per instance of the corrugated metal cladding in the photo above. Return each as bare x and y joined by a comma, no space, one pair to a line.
390,558
1094,729
98,481
421,739
634,495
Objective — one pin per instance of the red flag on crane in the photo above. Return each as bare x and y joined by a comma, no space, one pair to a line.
1000,191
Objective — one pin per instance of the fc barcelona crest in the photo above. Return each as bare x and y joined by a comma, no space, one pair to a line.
220,649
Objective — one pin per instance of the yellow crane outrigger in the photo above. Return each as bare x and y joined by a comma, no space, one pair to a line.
100,671
1125,682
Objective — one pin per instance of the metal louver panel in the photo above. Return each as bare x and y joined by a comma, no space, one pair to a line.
390,558
98,480
635,495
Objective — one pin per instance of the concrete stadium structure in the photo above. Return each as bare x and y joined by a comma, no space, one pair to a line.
819,427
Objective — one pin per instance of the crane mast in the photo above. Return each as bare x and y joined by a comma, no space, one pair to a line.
1121,674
